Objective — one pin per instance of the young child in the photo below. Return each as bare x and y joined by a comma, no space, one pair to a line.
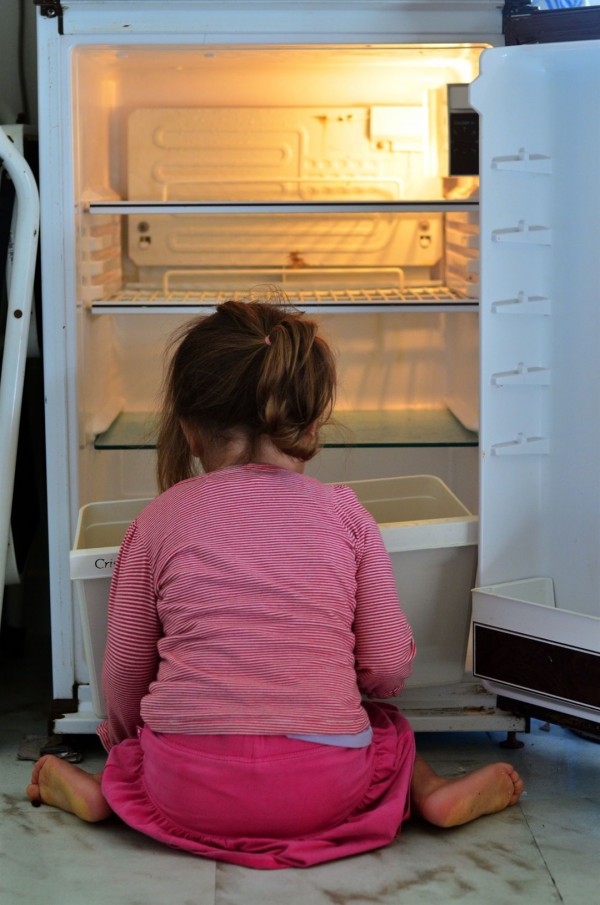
251,610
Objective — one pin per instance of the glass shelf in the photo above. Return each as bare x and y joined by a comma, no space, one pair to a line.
439,205
407,427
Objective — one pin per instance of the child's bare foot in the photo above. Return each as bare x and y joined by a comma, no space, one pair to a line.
63,785
452,802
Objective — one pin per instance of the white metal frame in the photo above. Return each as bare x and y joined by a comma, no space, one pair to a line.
21,274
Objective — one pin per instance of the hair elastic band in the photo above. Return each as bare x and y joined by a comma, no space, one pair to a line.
268,340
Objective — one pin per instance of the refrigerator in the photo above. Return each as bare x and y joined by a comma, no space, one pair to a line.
428,193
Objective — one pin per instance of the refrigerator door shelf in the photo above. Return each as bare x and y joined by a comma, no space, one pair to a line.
523,234
522,446
527,648
522,375
522,304
523,162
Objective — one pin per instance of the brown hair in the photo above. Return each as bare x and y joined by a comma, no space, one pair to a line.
252,368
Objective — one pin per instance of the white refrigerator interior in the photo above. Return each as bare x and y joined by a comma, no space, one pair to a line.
188,156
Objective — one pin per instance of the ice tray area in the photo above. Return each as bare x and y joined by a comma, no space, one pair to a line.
430,535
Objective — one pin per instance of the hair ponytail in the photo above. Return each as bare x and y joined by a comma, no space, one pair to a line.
295,392
252,368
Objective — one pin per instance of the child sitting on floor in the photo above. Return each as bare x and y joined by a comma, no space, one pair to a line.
252,611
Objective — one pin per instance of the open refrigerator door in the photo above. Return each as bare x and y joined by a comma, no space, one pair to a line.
537,609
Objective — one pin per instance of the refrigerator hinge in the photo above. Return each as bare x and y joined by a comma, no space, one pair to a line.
50,9
514,7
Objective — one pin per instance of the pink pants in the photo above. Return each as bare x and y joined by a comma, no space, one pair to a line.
265,801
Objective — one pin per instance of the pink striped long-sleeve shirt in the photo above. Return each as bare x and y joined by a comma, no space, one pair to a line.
252,600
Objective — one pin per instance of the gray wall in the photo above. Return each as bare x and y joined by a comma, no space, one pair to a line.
17,42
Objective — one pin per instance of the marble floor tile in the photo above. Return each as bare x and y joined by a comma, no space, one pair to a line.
48,857
495,861
567,832
558,763
52,858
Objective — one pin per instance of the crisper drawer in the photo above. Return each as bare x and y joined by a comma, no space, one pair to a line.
100,530
432,541
430,535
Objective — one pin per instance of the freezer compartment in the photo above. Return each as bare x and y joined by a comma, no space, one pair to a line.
268,122
430,535
528,648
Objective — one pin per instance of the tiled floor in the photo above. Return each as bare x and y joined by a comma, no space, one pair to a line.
544,850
